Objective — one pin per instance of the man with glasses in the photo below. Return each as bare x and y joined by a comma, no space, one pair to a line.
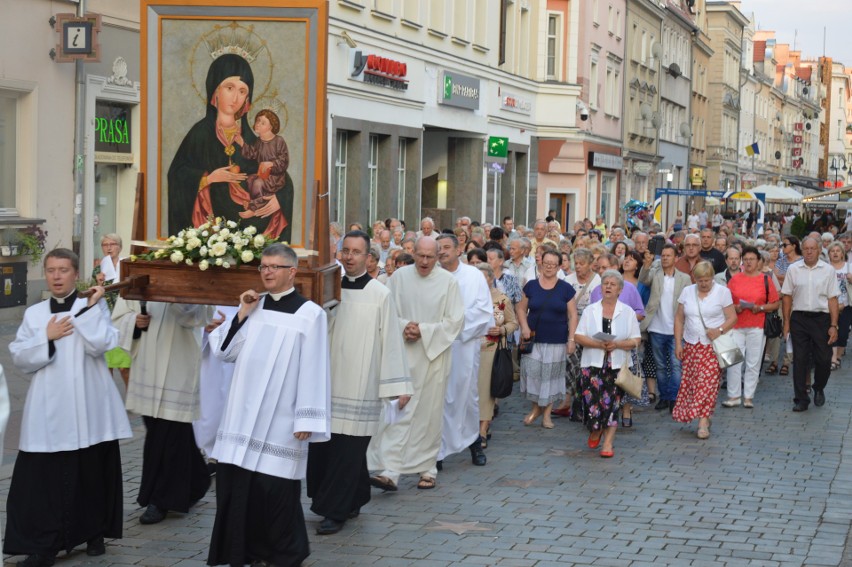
368,366
278,403
431,315
691,254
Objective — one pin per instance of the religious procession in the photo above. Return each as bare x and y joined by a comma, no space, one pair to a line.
433,331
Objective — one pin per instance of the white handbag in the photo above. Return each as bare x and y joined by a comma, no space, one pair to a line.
726,349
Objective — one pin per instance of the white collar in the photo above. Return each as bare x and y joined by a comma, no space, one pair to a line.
61,300
278,296
353,278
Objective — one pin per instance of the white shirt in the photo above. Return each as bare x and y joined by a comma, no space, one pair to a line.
711,309
663,322
692,221
624,326
810,288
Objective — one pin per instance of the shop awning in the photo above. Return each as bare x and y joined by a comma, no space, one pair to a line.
831,194
776,193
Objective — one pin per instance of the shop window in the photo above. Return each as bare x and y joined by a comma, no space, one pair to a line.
591,195
8,152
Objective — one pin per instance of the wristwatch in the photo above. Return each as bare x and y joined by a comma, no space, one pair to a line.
721,332
761,307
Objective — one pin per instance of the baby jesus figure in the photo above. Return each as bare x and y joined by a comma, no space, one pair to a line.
273,157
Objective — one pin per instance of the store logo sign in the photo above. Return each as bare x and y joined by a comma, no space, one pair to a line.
381,71
460,90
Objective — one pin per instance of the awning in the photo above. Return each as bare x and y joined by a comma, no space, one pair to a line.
776,193
835,193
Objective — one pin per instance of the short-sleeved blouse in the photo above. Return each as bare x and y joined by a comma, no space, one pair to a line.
712,309
547,312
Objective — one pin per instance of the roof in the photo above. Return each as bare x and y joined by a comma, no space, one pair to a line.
759,50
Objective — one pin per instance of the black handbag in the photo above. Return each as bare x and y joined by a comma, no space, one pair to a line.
502,371
772,326
525,346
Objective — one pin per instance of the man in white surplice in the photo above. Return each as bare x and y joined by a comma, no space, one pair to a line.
431,315
368,365
461,402
279,401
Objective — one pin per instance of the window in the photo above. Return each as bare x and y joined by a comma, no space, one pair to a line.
400,175
437,19
373,168
552,47
609,94
595,12
618,24
460,21
384,6
607,196
340,173
593,82
610,20
591,195
411,10
8,150
644,48
480,24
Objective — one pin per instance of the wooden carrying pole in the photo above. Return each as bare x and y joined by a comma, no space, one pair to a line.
131,282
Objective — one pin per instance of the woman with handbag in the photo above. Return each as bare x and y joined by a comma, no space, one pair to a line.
705,312
547,314
505,324
603,357
584,280
837,258
754,295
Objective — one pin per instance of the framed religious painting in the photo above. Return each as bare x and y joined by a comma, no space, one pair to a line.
233,114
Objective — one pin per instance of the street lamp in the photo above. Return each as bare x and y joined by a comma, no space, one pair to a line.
836,162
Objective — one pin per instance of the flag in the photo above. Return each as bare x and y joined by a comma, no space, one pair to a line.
752,149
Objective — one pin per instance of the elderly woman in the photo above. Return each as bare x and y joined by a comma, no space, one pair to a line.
603,357
105,273
504,281
705,310
754,295
549,312
390,265
837,259
505,324
463,236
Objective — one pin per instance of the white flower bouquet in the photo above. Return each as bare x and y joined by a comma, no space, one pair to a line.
217,242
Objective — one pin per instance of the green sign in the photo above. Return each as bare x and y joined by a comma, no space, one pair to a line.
498,147
112,127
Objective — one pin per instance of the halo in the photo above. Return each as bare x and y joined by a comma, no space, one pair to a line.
240,40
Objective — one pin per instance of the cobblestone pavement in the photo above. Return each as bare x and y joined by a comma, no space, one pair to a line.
770,487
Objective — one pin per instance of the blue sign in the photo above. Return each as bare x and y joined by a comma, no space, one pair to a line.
660,191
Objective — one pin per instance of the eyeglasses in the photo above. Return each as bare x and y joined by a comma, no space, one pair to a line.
271,267
352,253
549,265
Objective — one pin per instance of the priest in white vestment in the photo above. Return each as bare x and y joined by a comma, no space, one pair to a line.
66,487
214,385
278,403
461,403
164,342
431,315
368,366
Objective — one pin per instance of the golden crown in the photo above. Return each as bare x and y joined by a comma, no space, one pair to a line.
233,39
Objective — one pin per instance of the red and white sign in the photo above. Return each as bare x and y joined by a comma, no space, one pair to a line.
381,71
797,138
797,152
799,126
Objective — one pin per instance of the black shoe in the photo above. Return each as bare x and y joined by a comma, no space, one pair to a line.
329,526
354,513
477,455
496,410
38,560
439,465
819,398
671,406
153,515
95,546
723,385
800,407
661,405
211,468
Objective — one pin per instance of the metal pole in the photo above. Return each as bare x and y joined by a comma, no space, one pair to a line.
79,143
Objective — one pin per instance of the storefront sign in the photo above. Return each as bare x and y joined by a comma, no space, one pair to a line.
514,103
459,90
696,176
381,71
111,157
498,147
642,168
599,160
111,127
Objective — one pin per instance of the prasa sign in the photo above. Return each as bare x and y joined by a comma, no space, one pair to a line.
112,128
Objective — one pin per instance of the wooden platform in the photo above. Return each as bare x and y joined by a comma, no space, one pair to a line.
179,283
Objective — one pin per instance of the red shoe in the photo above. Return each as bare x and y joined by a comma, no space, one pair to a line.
607,454
562,412
593,443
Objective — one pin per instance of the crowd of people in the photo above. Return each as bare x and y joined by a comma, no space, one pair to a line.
397,376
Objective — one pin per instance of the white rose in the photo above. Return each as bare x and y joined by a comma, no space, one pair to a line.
181,234
231,224
205,234
178,242
203,265
176,257
226,265
259,240
239,246
249,230
219,249
193,243
203,251
218,261
189,261
247,256
224,233
191,233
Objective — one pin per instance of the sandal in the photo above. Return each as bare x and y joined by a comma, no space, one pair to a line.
835,364
384,483
784,370
652,397
425,483
627,421
772,369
